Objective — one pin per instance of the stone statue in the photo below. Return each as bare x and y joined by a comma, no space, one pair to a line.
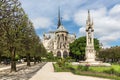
89,36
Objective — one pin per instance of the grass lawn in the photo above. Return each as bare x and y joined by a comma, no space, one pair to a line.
112,72
102,69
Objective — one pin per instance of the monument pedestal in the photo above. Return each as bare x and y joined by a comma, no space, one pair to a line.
90,55
95,63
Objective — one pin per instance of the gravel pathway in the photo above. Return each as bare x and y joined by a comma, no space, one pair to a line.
47,73
23,72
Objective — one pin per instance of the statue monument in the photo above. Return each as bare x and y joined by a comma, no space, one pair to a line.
90,53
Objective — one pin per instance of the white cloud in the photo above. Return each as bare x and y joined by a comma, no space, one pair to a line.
111,37
42,22
115,12
115,9
66,17
107,28
80,17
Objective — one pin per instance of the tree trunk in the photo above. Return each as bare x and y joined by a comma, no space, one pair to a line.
34,60
28,59
103,59
13,62
0,58
76,58
39,59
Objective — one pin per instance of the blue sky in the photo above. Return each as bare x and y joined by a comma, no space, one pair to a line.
105,14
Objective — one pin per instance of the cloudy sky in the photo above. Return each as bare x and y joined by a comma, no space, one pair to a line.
105,14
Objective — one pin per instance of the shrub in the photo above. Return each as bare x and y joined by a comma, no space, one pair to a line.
61,62
83,68
72,69
57,68
109,71
79,67
86,68
117,73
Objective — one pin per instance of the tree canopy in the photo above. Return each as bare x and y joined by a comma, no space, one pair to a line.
17,34
110,54
77,48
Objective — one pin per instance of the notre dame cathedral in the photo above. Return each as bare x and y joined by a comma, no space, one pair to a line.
58,41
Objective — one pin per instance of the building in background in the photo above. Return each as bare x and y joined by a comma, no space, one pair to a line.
58,41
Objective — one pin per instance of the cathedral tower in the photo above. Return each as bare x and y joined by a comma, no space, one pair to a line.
57,42
61,39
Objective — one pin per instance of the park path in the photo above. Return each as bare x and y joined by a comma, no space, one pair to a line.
47,73
8,67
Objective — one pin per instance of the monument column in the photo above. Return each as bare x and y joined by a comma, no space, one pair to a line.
89,51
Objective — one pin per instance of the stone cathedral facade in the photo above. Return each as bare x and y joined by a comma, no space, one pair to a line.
58,41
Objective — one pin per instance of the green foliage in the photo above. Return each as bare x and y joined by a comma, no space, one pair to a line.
114,69
61,62
57,68
77,48
17,34
17,57
12,24
50,55
110,54
110,71
83,68
63,66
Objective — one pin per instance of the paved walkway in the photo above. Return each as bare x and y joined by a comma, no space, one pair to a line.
47,73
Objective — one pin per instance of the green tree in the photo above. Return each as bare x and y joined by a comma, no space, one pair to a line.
11,20
27,41
110,54
17,34
77,48
36,49
15,26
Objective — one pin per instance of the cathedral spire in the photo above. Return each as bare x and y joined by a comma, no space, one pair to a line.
59,18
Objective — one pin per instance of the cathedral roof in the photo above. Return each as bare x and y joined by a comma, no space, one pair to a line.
61,28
